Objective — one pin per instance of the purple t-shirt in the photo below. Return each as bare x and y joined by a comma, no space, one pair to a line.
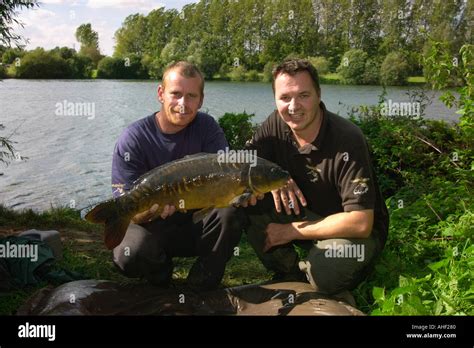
142,146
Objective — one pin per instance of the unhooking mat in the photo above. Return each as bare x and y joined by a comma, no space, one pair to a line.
100,297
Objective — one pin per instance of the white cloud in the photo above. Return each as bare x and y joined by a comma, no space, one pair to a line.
54,35
134,5
36,16
106,37
44,28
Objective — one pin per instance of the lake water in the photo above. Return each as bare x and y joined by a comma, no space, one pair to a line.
70,156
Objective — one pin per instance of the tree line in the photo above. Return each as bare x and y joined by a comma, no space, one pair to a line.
364,41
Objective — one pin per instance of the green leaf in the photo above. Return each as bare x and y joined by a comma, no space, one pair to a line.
378,294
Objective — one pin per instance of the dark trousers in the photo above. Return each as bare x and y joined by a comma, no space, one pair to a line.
332,265
147,249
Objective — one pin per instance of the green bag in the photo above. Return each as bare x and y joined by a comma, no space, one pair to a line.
25,261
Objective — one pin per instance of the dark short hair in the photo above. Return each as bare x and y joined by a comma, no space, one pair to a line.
294,66
186,69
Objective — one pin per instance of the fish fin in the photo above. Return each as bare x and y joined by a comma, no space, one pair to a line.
157,169
115,230
101,212
115,225
201,214
244,197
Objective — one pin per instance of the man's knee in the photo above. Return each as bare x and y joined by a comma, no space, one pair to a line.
138,249
222,230
124,262
340,264
234,221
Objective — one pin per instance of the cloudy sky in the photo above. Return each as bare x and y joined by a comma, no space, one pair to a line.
55,21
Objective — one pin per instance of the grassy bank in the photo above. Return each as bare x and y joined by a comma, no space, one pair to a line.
85,253
326,79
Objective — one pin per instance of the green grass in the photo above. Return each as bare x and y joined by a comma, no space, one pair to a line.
85,253
330,79
53,218
416,80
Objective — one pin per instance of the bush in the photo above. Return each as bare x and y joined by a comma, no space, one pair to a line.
81,66
237,128
252,75
320,63
371,73
11,54
154,67
352,67
394,70
238,73
39,64
121,68
3,72
424,168
267,71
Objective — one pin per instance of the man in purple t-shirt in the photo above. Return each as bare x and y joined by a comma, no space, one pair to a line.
152,239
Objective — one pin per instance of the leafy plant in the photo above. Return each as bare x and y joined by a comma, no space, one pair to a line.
237,128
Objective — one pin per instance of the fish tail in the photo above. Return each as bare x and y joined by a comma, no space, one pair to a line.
116,224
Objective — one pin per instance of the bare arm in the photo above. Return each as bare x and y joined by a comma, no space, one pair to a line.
354,224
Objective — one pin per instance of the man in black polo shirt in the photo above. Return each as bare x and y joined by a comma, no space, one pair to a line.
332,205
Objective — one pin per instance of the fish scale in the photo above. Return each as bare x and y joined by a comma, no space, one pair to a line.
201,181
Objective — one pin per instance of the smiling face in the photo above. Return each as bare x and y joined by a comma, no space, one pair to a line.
297,101
181,97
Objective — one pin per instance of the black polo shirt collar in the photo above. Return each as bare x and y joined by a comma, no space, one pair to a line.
318,142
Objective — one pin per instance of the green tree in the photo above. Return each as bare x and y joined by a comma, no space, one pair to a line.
160,30
320,63
122,68
363,24
8,12
89,40
11,54
86,36
172,52
331,19
237,128
352,67
64,52
372,72
442,70
40,64
3,72
267,71
394,69
238,73
80,66
133,36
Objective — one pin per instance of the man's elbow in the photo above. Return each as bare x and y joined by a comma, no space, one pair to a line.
365,224
365,230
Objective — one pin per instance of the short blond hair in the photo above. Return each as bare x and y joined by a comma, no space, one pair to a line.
186,69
